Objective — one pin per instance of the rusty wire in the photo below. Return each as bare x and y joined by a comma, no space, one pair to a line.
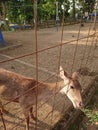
49,97
88,56
59,62
89,52
93,56
77,41
36,44
46,101
45,49
76,47
94,27
84,53
92,42
74,60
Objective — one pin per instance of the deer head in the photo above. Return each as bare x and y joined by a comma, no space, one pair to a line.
72,88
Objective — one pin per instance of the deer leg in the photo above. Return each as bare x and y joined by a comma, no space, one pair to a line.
1,106
1,114
27,122
26,116
31,114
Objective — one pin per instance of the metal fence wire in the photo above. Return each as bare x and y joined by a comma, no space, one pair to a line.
49,111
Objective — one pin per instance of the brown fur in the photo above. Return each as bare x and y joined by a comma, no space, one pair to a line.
17,88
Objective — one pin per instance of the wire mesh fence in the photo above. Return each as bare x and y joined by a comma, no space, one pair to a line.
78,54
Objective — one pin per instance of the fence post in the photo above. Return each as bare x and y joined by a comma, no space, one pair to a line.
2,39
57,17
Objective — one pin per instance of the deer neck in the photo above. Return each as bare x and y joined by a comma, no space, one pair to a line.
46,90
56,86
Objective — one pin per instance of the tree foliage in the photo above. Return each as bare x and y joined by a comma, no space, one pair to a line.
21,11
89,5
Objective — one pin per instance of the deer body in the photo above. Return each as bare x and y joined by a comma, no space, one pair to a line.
17,88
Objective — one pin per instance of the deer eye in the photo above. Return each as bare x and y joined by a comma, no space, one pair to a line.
71,87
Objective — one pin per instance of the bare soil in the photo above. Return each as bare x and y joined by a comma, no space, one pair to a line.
74,55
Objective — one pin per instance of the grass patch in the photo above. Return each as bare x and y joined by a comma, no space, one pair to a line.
92,115
91,111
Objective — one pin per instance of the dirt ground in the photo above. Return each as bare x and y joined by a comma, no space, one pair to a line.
74,55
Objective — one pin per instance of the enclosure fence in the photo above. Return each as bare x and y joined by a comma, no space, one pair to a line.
88,59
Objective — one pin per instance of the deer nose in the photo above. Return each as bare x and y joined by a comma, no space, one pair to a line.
81,105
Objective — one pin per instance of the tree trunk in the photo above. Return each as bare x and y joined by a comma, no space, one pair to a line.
74,10
3,9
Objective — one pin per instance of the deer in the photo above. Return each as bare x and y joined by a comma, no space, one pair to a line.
21,89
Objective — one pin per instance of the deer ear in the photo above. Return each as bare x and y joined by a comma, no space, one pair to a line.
75,75
63,74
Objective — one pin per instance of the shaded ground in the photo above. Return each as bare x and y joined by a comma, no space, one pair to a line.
75,55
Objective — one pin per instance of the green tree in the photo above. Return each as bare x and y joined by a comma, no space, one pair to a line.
87,5
21,11
66,4
3,4
46,10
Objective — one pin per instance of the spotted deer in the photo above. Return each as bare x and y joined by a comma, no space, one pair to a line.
17,88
